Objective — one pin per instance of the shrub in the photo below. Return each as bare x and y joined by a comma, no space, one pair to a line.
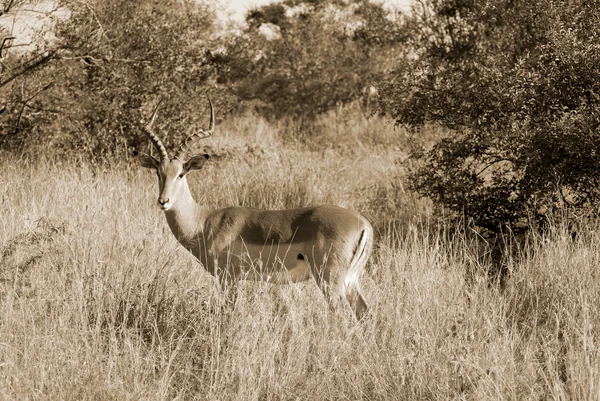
112,61
316,55
518,84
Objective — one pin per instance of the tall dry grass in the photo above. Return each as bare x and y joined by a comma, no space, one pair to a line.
98,301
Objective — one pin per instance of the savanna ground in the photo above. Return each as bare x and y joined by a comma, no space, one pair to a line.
99,302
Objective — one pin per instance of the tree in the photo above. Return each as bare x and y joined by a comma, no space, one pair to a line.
117,58
518,84
302,58
128,54
20,82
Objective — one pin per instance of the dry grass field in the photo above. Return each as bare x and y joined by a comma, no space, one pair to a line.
99,302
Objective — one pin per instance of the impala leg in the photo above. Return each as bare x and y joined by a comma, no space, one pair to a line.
322,278
325,287
344,285
228,286
356,300
231,294
351,285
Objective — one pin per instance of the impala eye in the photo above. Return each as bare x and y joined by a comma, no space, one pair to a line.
181,175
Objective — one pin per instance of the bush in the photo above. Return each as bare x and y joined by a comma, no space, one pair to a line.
304,58
112,61
518,84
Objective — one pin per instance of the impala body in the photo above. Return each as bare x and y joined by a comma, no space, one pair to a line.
329,243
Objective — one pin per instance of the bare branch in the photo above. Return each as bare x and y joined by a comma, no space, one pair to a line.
24,104
2,46
185,145
7,7
30,65
153,137
45,87
44,109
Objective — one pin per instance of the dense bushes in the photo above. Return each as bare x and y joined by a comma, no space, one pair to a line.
518,84
304,58
112,61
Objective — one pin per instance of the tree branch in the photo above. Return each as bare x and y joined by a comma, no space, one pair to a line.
6,39
29,66
7,7
24,104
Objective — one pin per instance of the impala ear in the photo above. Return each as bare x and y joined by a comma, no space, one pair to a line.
195,163
146,161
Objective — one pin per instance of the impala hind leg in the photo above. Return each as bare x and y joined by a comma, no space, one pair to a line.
356,266
231,294
337,288
322,277
350,288
356,300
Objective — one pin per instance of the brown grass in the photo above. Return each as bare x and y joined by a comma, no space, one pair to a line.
98,301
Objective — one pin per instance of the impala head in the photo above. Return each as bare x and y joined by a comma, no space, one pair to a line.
172,184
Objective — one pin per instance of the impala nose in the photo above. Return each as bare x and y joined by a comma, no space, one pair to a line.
163,201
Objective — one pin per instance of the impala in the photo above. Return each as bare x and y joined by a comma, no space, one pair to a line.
329,243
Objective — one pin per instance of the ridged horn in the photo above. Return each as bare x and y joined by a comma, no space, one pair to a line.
185,145
153,137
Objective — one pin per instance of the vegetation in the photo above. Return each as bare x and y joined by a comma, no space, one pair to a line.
116,59
497,109
303,58
515,85
111,61
100,302
518,85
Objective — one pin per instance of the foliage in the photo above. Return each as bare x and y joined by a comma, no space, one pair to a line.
20,81
108,62
519,85
115,60
136,53
302,58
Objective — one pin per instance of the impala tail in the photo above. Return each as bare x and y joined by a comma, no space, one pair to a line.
351,289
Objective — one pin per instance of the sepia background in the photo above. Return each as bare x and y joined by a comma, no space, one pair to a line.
467,132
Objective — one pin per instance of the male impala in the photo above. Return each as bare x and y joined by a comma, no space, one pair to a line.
277,246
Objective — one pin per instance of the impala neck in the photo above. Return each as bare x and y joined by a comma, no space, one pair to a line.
186,218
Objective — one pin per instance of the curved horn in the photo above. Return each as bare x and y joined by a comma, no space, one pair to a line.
153,137
211,124
185,145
